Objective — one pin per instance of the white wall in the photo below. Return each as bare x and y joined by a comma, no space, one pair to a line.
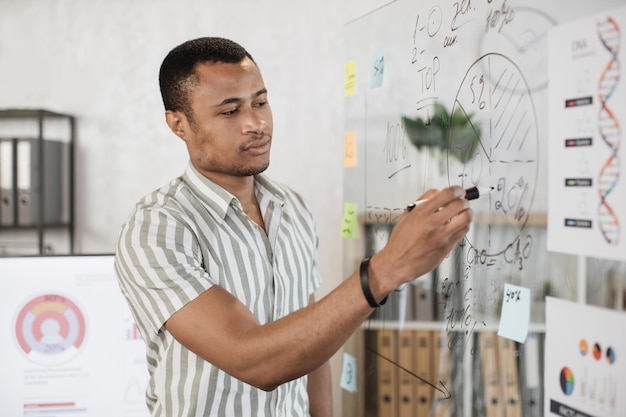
99,60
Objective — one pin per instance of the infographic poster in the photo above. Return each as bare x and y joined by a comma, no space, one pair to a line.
70,346
585,360
587,102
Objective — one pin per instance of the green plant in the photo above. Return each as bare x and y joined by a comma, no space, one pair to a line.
547,288
457,132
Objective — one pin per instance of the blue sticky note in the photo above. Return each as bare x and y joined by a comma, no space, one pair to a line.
378,69
515,317
348,373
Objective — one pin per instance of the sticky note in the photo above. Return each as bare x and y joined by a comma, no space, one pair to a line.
515,316
349,149
350,80
348,373
349,223
378,69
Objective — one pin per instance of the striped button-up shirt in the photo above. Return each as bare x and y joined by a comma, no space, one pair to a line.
190,235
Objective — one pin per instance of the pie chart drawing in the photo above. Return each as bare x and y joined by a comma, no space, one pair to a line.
501,148
50,329
610,355
567,381
597,351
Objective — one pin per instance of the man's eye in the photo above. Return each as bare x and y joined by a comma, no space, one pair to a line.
260,103
229,112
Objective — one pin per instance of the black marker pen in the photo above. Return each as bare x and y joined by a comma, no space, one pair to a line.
470,194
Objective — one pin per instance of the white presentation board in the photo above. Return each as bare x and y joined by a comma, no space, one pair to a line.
70,346
584,360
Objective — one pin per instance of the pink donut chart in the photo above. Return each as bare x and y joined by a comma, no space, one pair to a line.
50,329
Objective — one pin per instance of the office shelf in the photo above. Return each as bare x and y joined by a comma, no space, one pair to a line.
36,182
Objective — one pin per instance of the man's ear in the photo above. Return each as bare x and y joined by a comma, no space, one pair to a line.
177,121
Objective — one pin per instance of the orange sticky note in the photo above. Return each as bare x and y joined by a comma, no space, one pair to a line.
349,149
350,80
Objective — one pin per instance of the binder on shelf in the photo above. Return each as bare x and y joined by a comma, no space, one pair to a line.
394,308
406,380
423,299
387,373
530,377
424,353
370,372
25,191
509,377
442,407
441,297
490,374
441,302
7,192
32,195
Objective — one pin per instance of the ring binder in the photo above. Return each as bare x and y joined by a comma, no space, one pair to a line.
7,193
38,181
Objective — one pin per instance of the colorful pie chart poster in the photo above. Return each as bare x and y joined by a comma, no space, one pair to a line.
585,360
70,344
50,329
587,136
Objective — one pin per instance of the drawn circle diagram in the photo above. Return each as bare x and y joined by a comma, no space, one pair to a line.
523,35
50,329
495,146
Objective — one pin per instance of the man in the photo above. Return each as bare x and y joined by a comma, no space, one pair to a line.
219,267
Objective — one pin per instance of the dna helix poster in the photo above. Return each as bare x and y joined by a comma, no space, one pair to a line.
587,105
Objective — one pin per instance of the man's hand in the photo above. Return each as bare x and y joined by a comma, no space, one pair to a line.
421,239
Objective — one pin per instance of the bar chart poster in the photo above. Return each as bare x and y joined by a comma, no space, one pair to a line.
587,128
584,360
70,346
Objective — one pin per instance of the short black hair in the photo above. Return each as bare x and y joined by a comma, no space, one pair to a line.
177,76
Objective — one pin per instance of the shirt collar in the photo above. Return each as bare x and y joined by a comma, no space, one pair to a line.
220,199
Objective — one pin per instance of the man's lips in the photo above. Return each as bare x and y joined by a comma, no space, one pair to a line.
259,146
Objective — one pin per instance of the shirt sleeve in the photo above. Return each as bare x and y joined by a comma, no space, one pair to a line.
159,264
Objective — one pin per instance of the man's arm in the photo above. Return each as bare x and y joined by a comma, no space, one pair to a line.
220,329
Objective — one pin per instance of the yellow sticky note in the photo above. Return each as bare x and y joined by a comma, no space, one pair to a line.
349,225
350,81
349,149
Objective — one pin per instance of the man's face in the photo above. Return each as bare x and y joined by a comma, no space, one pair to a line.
232,126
